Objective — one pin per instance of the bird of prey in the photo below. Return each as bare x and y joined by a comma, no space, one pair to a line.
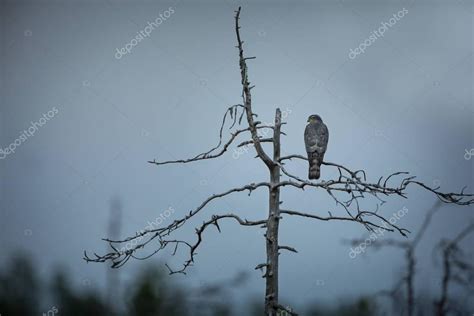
316,136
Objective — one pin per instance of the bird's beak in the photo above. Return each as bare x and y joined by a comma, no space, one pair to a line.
308,120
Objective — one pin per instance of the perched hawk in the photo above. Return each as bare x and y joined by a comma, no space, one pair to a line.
316,137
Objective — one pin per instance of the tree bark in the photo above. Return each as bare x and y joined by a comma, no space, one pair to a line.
411,273
441,304
271,275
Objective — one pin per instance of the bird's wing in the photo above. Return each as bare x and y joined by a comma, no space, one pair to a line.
316,138
323,138
310,137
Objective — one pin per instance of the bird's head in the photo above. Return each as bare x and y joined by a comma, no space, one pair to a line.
314,118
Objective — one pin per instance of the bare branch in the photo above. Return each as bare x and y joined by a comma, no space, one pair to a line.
232,112
452,261
288,248
356,181
426,222
409,249
120,257
199,232
359,218
261,140
247,96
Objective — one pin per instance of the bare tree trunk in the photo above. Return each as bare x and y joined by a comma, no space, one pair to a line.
113,281
271,276
441,304
411,273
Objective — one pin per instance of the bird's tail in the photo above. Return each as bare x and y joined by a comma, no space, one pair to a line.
315,161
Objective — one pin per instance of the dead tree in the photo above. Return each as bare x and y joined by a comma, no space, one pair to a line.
456,269
346,191
408,248
115,223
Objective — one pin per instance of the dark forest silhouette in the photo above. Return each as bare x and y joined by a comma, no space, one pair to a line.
23,292
153,293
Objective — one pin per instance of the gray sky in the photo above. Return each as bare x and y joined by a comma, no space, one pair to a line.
404,104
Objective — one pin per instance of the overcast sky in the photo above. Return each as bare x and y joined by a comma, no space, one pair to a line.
404,104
